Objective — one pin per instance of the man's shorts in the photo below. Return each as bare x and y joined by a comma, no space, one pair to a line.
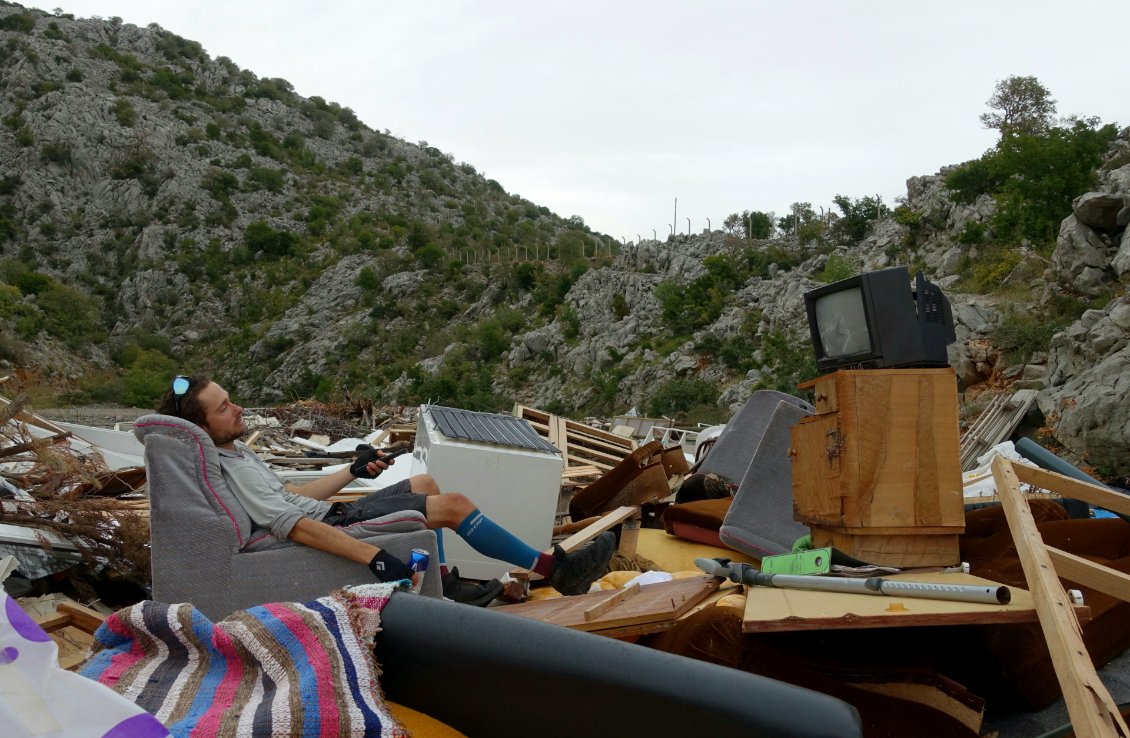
385,501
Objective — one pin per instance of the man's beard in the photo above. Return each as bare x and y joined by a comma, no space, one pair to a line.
227,437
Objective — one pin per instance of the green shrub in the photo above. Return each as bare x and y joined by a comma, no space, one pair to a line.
1034,177
272,180
681,396
620,307
261,238
70,314
124,111
42,86
367,279
430,256
135,165
220,184
18,22
74,75
24,278
570,323
55,152
1021,333
146,378
491,340
177,85
836,268
786,362
972,234
989,270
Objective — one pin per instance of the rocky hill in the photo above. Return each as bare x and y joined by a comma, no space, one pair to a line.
162,211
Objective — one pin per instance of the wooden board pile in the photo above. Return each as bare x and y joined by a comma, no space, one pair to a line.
588,452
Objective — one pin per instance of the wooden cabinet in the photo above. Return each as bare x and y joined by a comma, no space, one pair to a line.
877,469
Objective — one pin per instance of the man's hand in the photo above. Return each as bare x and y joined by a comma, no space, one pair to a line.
368,465
388,568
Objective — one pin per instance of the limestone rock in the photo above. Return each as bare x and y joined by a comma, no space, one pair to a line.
1100,210
1082,260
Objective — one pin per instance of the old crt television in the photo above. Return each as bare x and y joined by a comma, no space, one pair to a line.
876,321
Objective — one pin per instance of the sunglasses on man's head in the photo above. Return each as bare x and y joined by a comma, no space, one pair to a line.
180,388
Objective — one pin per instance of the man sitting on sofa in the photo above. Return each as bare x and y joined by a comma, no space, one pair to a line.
300,513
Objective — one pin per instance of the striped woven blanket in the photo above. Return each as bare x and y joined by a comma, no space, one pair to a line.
281,669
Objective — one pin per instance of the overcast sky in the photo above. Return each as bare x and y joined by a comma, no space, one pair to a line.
610,109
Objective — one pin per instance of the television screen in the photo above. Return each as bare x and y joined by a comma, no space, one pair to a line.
876,320
842,323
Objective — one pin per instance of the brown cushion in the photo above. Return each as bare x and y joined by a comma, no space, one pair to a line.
707,514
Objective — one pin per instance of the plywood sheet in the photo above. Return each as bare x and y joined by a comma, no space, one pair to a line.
654,604
769,609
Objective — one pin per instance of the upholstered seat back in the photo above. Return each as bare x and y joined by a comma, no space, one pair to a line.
760,519
205,549
736,445
186,483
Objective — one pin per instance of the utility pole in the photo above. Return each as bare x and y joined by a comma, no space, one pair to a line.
688,226
709,228
749,226
675,218
654,235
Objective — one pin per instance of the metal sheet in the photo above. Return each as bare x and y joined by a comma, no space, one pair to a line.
501,430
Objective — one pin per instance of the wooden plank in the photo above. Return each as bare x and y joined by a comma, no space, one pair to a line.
55,622
1073,488
612,438
1090,574
629,537
31,418
578,452
772,610
607,522
1092,710
655,605
82,617
598,443
563,437
580,471
621,595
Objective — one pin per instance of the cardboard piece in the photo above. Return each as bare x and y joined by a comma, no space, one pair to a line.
770,610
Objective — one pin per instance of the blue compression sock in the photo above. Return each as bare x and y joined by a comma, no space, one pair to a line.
491,539
439,551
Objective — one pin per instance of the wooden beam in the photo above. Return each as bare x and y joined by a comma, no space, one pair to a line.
602,607
1073,488
1092,710
81,616
1090,574
611,520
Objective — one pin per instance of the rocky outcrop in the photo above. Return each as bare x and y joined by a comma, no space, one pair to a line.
1087,402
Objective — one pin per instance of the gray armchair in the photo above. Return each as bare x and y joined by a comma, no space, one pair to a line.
206,551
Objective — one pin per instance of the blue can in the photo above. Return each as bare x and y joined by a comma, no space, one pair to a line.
418,563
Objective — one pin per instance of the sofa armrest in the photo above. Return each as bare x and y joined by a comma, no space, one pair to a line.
458,664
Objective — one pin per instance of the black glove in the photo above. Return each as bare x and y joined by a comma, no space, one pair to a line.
359,468
388,568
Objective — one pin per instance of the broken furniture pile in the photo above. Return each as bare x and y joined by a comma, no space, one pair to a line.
61,504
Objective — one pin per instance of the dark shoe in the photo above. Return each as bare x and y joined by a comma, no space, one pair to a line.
575,572
476,595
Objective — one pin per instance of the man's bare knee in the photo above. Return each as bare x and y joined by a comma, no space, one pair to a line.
448,510
424,484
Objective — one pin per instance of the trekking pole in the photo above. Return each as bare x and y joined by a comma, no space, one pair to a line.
994,594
